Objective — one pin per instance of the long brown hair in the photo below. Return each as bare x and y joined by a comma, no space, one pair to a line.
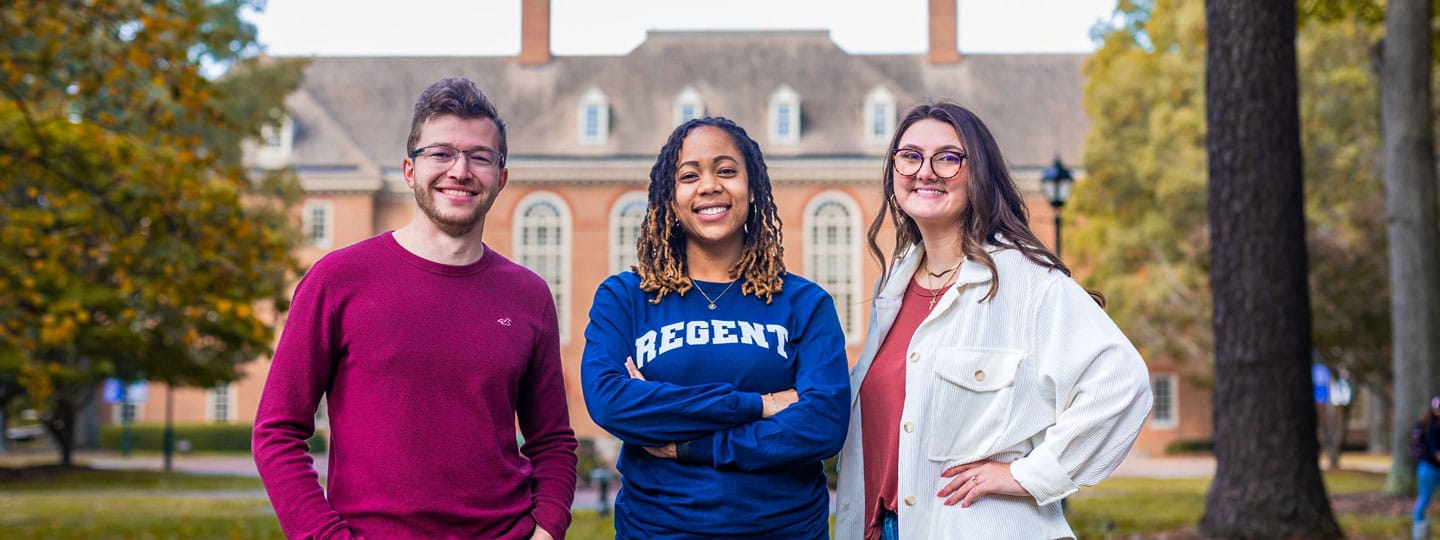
994,211
661,245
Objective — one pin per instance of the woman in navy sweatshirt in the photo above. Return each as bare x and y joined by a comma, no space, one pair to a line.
724,375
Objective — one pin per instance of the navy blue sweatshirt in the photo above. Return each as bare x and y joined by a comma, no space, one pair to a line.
705,371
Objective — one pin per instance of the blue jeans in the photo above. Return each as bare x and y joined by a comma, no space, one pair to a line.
889,525
1428,476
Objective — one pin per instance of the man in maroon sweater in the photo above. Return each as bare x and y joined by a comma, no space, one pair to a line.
430,349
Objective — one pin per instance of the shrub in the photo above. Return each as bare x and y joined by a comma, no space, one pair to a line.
1189,446
201,437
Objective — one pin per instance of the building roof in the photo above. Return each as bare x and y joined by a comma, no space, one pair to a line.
355,111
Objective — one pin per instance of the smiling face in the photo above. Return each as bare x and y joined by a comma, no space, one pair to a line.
455,197
924,196
712,190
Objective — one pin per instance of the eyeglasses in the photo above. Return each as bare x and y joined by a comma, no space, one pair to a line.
444,155
945,163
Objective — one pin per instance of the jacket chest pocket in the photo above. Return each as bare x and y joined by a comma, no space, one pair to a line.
970,401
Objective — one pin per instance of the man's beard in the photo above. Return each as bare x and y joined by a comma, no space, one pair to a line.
455,226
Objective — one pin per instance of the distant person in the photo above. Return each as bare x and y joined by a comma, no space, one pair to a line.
1425,443
991,385
430,348
724,375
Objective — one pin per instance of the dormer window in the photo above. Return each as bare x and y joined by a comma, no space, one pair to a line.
688,106
276,143
879,115
784,115
594,117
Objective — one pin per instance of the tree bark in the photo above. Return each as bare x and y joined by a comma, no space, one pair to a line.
1267,479
1338,428
60,422
1405,120
1378,411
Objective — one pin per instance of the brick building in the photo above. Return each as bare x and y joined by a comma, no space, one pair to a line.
584,131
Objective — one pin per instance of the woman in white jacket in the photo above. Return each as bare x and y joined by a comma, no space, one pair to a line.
991,385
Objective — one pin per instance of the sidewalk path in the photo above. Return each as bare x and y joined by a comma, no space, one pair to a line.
219,465
588,497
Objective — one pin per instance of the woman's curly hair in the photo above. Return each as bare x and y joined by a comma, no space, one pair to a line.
661,244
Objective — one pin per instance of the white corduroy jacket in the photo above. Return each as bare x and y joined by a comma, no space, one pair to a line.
1038,376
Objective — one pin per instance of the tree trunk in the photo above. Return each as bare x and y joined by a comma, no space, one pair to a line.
1340,427
1378,409
1267,479
1405,120
60,422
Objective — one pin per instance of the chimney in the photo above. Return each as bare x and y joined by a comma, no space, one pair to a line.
944,37
534,32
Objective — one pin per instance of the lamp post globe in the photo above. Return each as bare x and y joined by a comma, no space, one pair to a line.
1056,182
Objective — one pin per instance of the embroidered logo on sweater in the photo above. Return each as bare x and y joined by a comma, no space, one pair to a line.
505,321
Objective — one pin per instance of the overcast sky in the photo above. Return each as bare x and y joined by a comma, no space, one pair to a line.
578,27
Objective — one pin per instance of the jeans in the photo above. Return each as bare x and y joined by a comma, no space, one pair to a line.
1428,476
889,525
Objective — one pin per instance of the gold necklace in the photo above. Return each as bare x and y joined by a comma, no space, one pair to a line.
935,293
707,296
926,265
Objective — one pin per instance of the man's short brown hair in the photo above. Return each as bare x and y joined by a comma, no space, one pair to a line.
456,96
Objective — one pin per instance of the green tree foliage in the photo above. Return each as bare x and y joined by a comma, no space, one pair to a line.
1144,230
133,243
1345,202
1144,233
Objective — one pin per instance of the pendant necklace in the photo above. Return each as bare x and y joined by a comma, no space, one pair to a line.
707,295
935,293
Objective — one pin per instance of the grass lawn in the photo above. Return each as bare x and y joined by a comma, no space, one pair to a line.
1147,506
47,502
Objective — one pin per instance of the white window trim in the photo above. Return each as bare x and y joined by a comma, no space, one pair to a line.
1174,410
617,248
593,98
274,156
688,96
852,335
567,231
231,403
306,223
883,98
116,410
784,96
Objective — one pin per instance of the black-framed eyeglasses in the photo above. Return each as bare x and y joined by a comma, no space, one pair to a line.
945,163
444,155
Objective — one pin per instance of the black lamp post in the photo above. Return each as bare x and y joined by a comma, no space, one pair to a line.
1056,183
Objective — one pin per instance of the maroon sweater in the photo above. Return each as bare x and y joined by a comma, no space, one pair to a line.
427,370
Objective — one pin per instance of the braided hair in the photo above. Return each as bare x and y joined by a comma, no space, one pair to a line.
661,243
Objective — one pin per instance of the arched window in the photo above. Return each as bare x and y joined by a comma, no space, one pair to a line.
832,255
688,105
879,115
626,217
542,244
784,110
594,117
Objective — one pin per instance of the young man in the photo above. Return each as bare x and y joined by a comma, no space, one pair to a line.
428,347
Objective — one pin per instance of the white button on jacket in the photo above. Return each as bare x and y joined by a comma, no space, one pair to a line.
1038,376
